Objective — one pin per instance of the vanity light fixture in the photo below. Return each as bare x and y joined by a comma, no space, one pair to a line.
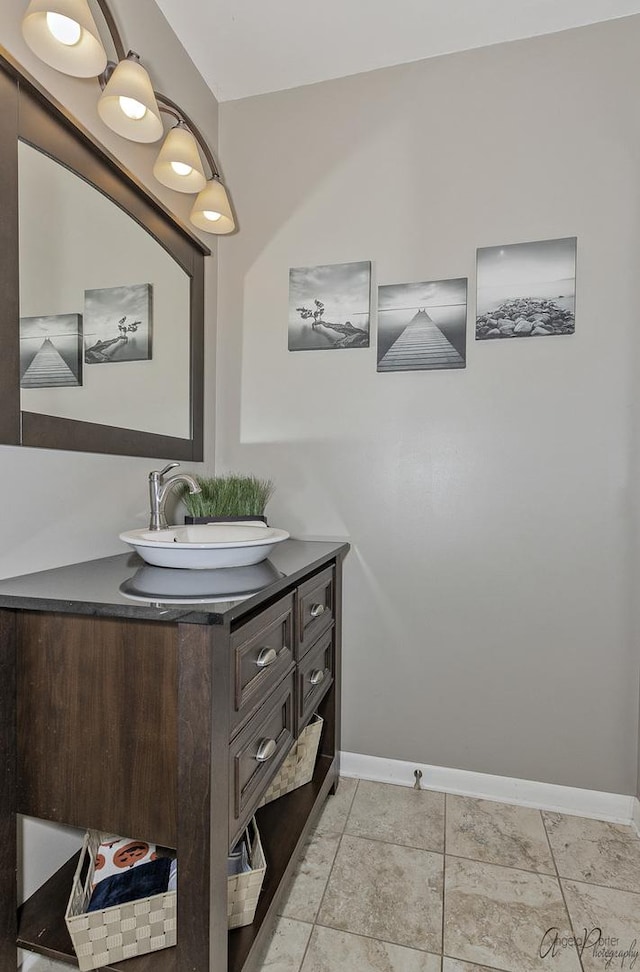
63,34
211,211
178,165
128,103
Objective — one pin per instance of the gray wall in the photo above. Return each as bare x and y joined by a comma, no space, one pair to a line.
488,621
61,507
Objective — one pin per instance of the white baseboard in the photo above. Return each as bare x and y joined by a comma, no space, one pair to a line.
636,815
615,807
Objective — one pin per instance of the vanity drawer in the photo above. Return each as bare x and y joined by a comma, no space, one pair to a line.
315,675
261,653
256,754
316,608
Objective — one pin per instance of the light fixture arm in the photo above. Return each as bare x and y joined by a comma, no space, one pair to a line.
112,27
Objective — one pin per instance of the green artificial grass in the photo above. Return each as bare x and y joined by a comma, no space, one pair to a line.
230,495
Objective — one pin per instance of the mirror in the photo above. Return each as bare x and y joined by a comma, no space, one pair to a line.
104,310
105,353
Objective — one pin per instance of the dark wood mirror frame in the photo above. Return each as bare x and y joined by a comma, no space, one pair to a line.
29,114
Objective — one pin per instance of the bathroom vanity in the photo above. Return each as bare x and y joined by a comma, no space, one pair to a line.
139,709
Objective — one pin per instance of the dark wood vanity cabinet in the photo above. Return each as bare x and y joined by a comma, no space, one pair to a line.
145,719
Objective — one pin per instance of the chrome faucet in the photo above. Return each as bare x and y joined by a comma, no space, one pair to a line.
158,493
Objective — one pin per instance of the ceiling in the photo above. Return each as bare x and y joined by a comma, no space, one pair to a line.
248,47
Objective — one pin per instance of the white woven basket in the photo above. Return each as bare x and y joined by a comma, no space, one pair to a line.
138,927
299,765
121,932
244,889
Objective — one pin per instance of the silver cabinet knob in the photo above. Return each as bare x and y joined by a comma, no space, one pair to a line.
266,657
317,610
317,676
266,749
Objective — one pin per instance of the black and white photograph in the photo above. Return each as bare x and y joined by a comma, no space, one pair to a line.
329,307
526,290
51,351
422,326
117,324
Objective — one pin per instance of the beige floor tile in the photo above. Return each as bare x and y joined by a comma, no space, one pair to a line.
311,876
336,951
336,810
398,814
497,916
288,945
607,922
595,851
455,965
385,891
498,834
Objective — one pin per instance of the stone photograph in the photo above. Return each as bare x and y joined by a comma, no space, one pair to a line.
329,306
526,290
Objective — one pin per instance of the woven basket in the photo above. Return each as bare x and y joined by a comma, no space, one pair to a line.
298,767
149,924
244,889
121,932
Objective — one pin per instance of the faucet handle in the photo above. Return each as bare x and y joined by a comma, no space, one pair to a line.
158,474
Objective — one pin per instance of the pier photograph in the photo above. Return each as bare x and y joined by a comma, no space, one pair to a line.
329,306
422,326
51,351
526,290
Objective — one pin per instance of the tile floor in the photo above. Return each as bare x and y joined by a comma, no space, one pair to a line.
400,880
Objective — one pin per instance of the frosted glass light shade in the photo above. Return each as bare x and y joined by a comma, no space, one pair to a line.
86,58
128,105
211,211
178,165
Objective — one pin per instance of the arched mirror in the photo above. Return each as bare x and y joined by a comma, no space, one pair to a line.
103,318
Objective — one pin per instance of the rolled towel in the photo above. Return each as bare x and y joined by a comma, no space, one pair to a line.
131,885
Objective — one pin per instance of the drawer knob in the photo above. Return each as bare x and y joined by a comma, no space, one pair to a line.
317,676
266,749
317,610
266,657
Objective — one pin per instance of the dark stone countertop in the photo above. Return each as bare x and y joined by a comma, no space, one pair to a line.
125,586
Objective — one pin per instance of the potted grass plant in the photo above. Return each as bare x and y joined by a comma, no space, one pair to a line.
225,499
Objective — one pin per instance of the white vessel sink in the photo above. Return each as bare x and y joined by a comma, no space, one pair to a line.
205,545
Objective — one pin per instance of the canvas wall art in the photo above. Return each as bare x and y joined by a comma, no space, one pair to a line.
329,307
422,326
526,290
51,351
118,324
